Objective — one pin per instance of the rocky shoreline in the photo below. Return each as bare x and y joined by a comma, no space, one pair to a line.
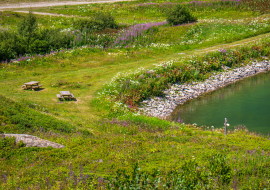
179,93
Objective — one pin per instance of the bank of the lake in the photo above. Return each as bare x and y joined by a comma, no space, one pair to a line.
177,94
245,102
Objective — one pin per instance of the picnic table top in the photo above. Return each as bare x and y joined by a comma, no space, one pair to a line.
65,93
32,83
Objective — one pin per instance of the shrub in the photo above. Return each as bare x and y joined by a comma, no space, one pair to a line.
10,44
50,39
92,25
106,19
99,22
180,15
13,44
28,27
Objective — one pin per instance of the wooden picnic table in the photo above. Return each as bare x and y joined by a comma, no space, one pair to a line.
65,95
31,85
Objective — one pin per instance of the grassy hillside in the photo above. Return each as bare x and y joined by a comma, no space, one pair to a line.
107,144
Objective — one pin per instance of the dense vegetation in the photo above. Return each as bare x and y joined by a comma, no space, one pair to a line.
108,145
75,32
30,39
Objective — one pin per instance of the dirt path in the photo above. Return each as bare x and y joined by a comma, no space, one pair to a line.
7,6
49,4
48,14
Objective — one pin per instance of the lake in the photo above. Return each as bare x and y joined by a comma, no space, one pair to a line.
245,102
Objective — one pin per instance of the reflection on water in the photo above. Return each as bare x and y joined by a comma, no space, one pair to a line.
245,102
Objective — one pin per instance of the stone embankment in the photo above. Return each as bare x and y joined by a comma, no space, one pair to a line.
32,141
179,93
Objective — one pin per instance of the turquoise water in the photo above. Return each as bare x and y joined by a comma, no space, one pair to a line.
246,102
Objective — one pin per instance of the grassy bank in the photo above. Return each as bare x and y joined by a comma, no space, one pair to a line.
107,144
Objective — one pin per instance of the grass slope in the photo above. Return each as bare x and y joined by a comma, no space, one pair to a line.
129,151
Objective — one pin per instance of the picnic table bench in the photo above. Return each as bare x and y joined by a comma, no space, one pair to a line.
31,85
65,95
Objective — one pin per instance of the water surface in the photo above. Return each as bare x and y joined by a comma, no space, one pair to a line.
246,102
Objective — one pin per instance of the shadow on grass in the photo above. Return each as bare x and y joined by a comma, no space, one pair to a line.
38,89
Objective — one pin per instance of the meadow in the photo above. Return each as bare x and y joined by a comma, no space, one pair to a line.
108,144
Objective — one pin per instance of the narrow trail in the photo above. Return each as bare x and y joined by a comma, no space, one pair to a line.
48,14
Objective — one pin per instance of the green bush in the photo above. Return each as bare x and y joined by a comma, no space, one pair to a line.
92,25
180,15
9,44
50,39
13,44
28,27
99,22
106,19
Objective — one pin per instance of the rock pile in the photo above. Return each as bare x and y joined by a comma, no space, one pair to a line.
179,93
32,141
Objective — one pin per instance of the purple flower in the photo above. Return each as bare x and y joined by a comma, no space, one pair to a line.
180,120
134,32
222,50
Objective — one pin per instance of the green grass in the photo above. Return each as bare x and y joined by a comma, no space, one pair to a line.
10,20
99,147
119,145
133,13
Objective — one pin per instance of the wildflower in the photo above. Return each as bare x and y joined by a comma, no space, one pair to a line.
222,50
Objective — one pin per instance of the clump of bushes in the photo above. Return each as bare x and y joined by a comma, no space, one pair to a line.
29,39
180,15
14,44
99,22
